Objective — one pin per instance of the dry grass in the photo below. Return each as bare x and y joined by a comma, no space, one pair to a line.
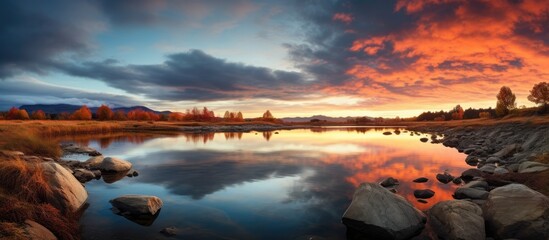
11,231
24,194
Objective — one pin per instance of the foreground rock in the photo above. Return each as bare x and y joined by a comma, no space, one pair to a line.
516,211
111,164
380,214
68,192
76,149
137,204
457,219
35,231
471,193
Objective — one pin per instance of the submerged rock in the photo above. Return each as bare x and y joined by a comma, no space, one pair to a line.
444,177
169,231
424,193
380,214
387,133
516,211
68,192
423,139
421,180
455,219
137,204
111,164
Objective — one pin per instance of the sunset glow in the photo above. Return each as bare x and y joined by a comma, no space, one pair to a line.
337,58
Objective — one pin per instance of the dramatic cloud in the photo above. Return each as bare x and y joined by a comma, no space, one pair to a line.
28,90
194,75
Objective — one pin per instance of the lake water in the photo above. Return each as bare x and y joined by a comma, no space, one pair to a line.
291,184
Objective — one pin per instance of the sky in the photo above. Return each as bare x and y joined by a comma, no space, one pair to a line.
296,58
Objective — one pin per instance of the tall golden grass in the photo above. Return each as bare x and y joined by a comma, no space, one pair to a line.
24,194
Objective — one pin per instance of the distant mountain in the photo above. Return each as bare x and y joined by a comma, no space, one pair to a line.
59,108
319,117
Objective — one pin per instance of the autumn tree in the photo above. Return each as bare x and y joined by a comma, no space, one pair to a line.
176,116
540,94
267,116
17,114
457,113
119,116
104,113
506,101
239,117
83,113
38,115
484,115
63,116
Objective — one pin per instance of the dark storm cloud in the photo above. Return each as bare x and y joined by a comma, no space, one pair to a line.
33,34
193,75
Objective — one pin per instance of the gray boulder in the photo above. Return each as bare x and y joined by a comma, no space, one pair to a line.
137,204
68,192
488,168
508,150
378,213
111,164
476,184
530,167
457,219
389,182
516,211
469,174
472,193
501,170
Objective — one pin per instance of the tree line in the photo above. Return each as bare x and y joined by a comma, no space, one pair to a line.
506,104
105,113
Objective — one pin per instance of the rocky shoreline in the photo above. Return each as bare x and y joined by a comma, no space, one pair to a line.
486,206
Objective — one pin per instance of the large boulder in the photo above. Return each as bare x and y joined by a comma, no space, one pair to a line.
381,214
137,204
68,192
472,193
111,164
35,231
516,211
457,219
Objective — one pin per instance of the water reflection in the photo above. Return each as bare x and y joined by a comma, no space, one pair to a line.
256,186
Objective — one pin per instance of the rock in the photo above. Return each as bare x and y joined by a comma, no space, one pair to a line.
94,162
137,204
94,154
422,201
424,193
397,132
68,192
469,174
132,173
381,214
513,167
531,141
508,151
111,164
493,160
457,181
421,180
488,168
444,177
423,139
472,160
83,175
35,231
473,193
451,142
469,150
71,148
456,219
387,133
529,167
97,174
476,184
169,231
501,170
111,177
389,182
516,211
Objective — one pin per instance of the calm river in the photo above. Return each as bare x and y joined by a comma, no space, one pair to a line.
289,184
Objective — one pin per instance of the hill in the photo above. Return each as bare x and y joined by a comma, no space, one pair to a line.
59,108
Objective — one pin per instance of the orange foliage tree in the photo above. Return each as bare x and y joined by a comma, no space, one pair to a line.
83,113
540,94
197,115
267,116
38,115
119,116
457,113
141,115
17,114
176,116
104,113
233,116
